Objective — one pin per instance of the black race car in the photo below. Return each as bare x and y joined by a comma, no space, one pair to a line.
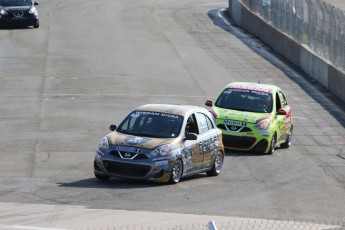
19,12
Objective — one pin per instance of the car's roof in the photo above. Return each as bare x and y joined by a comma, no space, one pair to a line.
170,108
253,86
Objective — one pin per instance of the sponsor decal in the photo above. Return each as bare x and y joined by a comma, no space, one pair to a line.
138,113
136,140
160,159
251,87
236,123
161,163
127,149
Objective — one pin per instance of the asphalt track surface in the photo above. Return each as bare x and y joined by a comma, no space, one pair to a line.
91,62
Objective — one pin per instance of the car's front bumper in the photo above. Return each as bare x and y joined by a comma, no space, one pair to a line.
245,138
30,20
152,169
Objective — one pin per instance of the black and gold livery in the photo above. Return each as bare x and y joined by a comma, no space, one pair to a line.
163,143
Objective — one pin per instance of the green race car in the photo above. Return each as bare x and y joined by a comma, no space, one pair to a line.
253,117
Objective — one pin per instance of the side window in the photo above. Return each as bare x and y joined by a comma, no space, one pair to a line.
282,99
191,126
278,103
203,122
209,123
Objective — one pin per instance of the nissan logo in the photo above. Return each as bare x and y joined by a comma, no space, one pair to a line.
18,14
127,155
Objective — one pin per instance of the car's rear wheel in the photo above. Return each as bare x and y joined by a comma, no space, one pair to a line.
273,145
176,172
288,141
217,165
101,177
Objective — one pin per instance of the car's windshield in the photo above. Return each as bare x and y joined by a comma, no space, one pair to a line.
15,2
245,100
151,124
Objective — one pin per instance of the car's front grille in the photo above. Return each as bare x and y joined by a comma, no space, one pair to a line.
19,13
234,128
126,169
238,142
128,155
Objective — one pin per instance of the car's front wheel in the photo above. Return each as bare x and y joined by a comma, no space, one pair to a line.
217,165
176,172
101,177
273,145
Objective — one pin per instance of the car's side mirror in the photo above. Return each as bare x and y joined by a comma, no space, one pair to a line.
113,127
191,136
209,103
281,112
36,3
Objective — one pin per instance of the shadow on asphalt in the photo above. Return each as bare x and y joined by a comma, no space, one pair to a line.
114,183
238,153
117,183
16,28
325,98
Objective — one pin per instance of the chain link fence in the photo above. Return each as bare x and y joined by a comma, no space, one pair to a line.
316,23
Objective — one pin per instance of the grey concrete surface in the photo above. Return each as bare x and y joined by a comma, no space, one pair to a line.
92,62
63,217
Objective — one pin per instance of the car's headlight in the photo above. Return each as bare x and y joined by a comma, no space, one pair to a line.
33,10
104,143
3,12
161,151
263,124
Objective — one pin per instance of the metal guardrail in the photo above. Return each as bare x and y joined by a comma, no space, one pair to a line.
316,23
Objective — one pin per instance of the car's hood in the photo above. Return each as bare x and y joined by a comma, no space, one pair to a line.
228,114
116,138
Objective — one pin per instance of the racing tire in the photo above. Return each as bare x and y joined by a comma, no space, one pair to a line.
217,165
176,172
273,145
37,24
101,177
288,141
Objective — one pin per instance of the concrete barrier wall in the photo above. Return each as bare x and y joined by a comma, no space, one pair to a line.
315,66
300,55
336,83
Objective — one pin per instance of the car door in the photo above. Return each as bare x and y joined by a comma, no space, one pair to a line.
280,119
191,149
286,123
207,139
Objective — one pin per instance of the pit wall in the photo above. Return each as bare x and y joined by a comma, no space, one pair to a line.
319,69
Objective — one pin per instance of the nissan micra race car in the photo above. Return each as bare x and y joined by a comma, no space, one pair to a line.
253,117
162,143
